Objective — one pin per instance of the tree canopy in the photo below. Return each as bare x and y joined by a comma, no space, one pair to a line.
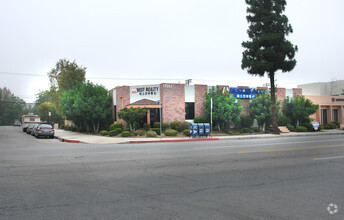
226,109
11,107
268,50
260,109
132,115
88,106
298,109
64,77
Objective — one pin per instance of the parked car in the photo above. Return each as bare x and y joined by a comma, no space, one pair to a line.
34,128
44,130
29,129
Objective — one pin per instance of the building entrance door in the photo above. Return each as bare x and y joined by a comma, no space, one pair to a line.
324,116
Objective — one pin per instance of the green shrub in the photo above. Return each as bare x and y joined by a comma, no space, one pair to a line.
177,125
267,132
116,125
308,126
244,130
165,126
256,129
115,132
137,126
230,132
327,126
151,134
67,128
291,128
321,127
156,124
301,129
238,132
246,121
139,132
251,131
186,132
103,133
283,121
334,124
201,120
157,130
171,132
146,126
186,125
126,134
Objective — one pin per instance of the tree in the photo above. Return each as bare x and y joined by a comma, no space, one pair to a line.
268,50
88,106
298,109
43,111
226,109
132,115
64,77
260,109
11,107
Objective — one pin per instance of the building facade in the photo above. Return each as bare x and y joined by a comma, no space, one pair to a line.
181,102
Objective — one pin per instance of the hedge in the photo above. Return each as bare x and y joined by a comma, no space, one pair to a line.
139,132
291,128
301,129
103,133
171,132
126,134
115,132
186,132
146,126
165,126
156,125
151,134
116,125
157,130
201,120
177,125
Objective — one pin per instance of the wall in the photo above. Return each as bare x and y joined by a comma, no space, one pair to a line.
173,102
200,91
122,98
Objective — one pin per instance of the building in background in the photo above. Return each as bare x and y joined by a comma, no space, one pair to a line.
329,96
181,102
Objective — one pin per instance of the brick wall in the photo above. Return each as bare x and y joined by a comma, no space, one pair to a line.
200,91
173,102
122,99
297,92
281,96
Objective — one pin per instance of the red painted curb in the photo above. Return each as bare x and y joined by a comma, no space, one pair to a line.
70,141
178,140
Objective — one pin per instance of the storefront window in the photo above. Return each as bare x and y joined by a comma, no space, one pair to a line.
335,115
189,110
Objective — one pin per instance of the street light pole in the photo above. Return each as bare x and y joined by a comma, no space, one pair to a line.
211,117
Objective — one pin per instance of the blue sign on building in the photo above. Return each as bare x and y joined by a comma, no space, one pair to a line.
248,93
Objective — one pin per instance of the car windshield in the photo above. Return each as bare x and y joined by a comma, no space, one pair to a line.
46,126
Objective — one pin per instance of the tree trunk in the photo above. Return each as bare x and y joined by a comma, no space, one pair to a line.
273,103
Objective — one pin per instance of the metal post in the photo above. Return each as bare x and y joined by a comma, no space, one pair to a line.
211,117
160,120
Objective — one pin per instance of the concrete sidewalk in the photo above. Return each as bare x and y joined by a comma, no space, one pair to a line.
75,137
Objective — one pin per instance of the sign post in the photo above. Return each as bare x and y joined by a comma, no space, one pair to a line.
211,117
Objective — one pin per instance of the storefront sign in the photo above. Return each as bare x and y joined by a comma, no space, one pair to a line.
241,93
145,90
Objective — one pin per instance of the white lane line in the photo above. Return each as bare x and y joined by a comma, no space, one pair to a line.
328,158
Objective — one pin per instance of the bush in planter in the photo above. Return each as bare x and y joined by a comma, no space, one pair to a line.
165,126
177,125
116,125
186,125
291,128
157,130
309,126
186,132
156,125
171,132
201,120
146,126
139,132
126,134
151,134
103,133
301,129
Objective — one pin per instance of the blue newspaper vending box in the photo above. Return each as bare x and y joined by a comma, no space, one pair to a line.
206,129
193,129
201,129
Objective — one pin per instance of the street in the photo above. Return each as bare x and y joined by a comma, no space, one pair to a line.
270,178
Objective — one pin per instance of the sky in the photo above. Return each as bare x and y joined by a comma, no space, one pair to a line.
139,42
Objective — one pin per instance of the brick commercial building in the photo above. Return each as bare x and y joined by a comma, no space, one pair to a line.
181,102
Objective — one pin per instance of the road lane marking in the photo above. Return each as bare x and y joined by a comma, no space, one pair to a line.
287,149
328,158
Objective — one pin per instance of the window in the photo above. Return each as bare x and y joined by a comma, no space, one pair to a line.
335,115
32,119
324,116
189,110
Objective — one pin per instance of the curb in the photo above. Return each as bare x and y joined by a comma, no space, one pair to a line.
176,140
68,141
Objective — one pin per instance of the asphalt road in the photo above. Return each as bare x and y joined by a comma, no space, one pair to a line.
278,178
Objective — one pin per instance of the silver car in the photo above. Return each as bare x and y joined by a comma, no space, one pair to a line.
44,130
